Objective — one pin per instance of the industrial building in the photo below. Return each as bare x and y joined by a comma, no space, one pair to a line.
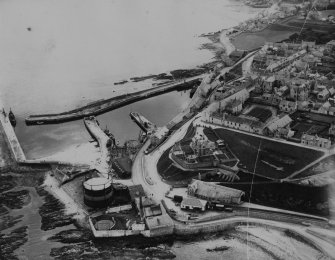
215,193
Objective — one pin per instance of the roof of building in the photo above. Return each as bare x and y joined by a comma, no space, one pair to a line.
234,103
210,190
147,202
324,92
282,121
267,95
240,120
193,202
217,115
136,191
159,221
313,137
270,79
288,103
154,210
332,42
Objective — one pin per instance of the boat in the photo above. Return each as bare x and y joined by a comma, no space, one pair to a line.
218,248
12,119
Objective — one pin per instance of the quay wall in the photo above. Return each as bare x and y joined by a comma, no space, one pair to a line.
94,129
11,139
116,233
119,208
162,231
232,223
100,107
193,229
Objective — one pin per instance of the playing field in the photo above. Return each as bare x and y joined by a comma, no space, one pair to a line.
276,160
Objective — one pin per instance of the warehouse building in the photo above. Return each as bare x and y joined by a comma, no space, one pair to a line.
214,193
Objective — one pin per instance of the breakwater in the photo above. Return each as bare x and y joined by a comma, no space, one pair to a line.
106,105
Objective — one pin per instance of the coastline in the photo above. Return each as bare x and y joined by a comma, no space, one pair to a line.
75,210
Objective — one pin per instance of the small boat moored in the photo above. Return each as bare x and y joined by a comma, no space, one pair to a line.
11,117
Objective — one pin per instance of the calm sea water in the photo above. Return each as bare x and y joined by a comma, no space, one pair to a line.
58,54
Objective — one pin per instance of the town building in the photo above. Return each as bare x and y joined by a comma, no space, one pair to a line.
299,89
234,107
288,106
323,95
202,147
278,123
269,83
191,203
244,124
282,91
271,99
330,46
284,132
215,193
316,141
331,130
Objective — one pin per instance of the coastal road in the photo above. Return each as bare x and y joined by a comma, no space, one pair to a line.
145,173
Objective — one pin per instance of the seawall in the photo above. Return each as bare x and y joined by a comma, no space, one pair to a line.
11,138
103,106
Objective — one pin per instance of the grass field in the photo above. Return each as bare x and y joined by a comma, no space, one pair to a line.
312,200
273,33
276,160
324,165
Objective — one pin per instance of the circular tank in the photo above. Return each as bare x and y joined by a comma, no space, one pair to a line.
98,192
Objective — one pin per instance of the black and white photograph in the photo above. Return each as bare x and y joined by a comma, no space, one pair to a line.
167,129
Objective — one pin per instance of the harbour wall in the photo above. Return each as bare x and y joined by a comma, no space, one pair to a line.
11,139
103,106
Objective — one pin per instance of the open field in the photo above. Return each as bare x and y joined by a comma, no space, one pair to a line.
289,196
273,33
276,160
326,164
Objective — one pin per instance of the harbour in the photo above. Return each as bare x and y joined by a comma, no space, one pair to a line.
99,174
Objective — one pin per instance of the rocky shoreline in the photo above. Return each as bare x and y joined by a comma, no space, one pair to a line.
82,245
52,211
12,197
12,241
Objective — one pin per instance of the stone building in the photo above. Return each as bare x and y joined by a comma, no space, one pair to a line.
288,106
316,141
234,107
190,203
280,122
215,193
331,130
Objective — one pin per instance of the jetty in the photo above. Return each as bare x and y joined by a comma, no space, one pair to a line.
8,131
106,105
92,126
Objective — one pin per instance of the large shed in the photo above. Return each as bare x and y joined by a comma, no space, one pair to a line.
215,193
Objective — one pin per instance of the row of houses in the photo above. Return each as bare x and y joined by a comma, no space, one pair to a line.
235,122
